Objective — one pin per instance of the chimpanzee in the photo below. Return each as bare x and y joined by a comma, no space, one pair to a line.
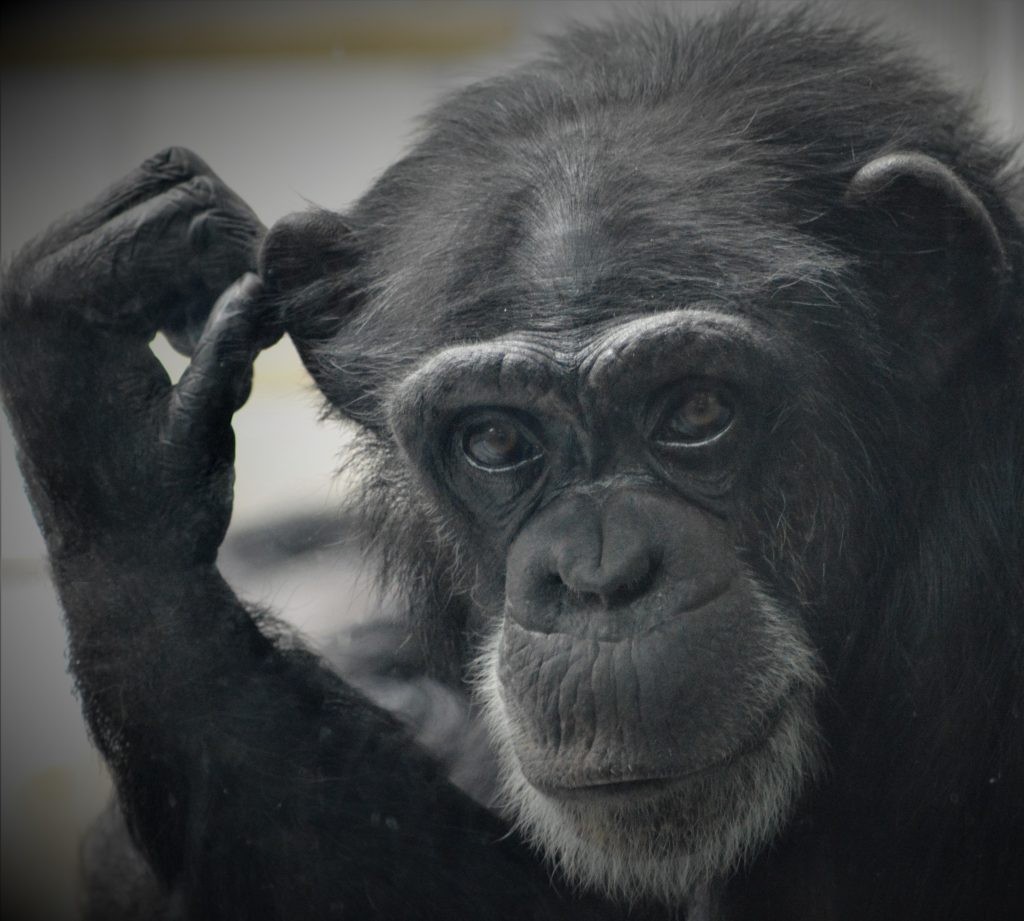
688,362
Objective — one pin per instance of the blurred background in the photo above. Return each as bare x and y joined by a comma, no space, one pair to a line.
291,103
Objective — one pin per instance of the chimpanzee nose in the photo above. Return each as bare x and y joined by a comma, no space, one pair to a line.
582,554
612,565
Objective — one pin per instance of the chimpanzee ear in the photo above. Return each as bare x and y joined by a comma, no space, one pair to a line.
308,263
935,251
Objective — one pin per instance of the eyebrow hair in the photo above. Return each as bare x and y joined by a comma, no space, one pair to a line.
659,345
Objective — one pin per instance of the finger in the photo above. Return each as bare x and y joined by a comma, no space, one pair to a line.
224,241
156,175
218,380
146,268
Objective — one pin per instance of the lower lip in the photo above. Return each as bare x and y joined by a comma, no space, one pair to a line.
624,789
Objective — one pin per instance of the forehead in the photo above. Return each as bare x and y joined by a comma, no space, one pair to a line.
578,227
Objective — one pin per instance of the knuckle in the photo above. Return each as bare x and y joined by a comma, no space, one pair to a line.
176,163
224,231
210,234
201,190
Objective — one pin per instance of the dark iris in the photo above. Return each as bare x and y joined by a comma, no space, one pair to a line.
701,416
497,444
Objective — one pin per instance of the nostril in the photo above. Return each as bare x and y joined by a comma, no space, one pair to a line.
628,590
553,583
605,586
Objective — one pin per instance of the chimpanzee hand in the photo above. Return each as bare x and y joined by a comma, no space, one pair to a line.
119,462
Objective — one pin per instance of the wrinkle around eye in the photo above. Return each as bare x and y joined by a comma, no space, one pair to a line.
521,447
670,436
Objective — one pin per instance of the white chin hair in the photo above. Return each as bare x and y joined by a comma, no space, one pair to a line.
668,845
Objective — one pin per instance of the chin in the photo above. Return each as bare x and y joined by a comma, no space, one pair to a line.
661,838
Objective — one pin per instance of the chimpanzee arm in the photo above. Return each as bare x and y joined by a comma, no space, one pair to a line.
256,782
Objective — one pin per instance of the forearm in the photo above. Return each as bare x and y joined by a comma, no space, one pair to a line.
137,630
238,761
156,654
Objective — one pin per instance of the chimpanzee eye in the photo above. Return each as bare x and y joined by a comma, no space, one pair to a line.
701,415
497,444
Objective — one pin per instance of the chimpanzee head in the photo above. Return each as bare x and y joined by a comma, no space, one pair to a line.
651,344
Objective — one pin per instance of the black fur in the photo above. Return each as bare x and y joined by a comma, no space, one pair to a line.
641,167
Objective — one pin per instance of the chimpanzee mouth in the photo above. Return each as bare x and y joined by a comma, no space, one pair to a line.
611,789
649,785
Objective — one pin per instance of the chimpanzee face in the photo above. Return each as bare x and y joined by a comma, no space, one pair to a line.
637,667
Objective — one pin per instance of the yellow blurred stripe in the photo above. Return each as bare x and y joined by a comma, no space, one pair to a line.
126,35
